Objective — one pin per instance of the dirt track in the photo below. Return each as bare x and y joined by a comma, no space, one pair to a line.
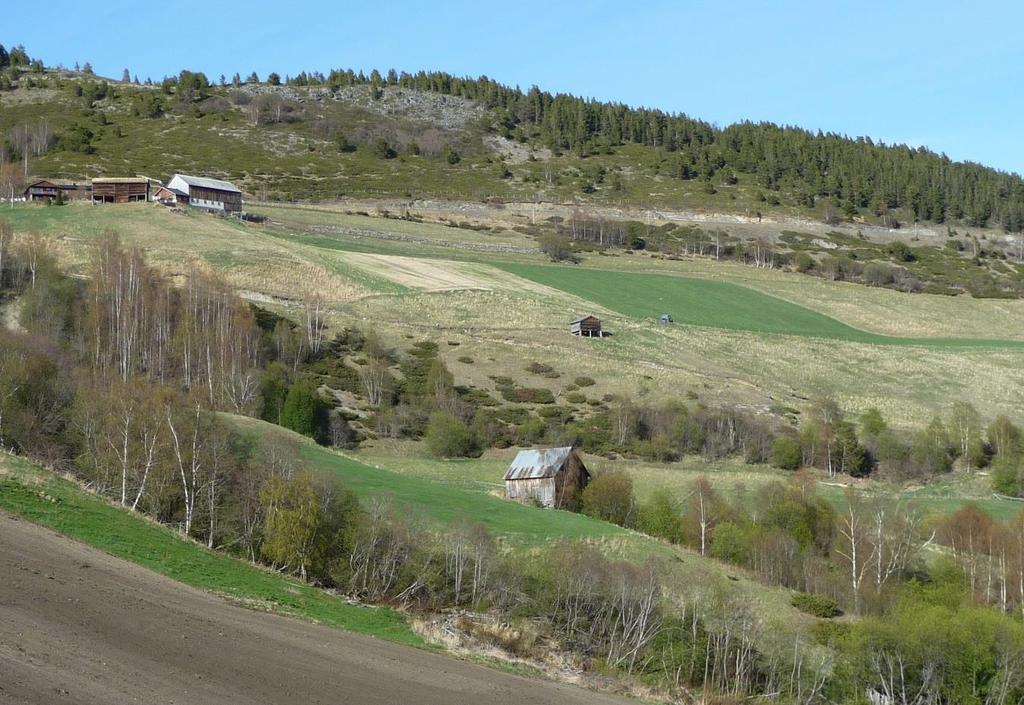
79,626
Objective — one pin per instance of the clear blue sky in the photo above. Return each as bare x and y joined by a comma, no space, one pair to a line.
944,73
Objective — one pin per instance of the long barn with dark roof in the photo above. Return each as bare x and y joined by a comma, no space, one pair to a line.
208,194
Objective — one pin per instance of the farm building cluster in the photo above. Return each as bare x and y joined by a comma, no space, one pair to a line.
200,192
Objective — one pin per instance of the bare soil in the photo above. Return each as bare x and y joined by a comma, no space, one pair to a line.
80,626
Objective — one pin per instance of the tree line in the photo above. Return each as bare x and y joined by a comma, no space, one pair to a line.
853,173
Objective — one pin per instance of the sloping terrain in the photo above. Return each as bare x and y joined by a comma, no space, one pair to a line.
715,304
504,309
81,626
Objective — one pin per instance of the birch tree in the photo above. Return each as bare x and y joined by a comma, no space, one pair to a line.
965,423
314,313
895,530
187,437
6,234
855,546
131,429
703,509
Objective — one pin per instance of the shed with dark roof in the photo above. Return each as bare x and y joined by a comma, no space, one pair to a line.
587,326
550,477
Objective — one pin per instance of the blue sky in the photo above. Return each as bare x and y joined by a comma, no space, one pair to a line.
943,74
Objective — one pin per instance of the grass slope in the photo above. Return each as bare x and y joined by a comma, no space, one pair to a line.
714,304
64,507
731,477
445,503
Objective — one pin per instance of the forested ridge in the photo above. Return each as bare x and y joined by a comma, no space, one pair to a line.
858,173
855,177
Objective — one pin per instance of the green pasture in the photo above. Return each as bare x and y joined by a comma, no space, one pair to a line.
446,503
714,304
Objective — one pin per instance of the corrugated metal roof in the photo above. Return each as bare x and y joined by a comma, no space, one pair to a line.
583,318
204,182
121,180
537,463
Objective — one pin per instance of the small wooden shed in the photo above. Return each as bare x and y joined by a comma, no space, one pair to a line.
551,477
589,326
169,196
120,190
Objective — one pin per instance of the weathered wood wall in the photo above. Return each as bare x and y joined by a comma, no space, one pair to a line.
541,490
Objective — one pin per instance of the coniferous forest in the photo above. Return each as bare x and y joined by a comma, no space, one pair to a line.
858,172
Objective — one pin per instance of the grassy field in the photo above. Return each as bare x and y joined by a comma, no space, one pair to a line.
447,503
715,304
878,310
441,502
341,219
397,278
62,506
730,477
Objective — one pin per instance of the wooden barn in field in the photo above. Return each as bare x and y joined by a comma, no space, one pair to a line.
47,190
208,194
587,326
131,189
551,477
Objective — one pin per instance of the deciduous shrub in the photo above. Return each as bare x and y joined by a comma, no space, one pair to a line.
609,496
786,453
816,605
447,436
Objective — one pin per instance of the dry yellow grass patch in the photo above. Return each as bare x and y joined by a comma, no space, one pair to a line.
415,273
443,275
502,331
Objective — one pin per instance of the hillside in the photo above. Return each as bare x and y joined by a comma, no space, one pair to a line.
232,653
472,152
792,461
765,340
432,135
35,494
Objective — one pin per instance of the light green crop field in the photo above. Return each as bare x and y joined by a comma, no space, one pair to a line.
714,304
63,506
